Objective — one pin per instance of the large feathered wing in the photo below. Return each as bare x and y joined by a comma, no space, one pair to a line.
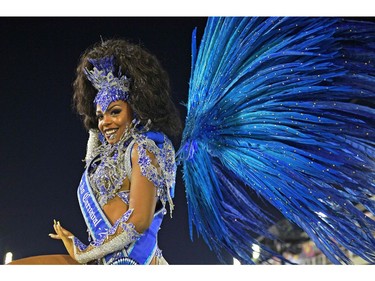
280,113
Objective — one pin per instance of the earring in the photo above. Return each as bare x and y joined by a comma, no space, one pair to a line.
101,137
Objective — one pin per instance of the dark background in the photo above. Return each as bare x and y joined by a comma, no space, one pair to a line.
43,141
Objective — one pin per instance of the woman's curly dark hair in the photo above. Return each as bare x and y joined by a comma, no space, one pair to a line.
149,94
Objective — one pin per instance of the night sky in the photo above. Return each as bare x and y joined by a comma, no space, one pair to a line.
43,141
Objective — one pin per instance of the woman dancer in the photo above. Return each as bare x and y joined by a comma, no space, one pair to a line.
122,93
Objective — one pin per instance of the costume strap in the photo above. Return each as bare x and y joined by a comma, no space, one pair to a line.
143,250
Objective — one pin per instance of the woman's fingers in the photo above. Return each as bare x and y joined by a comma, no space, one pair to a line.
54,236
63,230
64,235
61,233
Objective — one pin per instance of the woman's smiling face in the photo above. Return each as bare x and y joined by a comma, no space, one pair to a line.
114,121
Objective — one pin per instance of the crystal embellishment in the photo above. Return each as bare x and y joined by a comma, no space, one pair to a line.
110,88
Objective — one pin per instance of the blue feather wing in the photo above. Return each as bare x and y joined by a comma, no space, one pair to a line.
280,116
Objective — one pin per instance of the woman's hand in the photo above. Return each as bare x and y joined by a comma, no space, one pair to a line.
64,235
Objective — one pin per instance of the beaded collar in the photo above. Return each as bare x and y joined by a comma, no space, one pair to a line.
107,168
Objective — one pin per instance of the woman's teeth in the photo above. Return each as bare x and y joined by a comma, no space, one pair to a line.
111,134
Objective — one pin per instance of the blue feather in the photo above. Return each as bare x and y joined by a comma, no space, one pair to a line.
280,120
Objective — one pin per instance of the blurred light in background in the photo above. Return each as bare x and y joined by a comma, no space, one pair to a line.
8,257
256,254
256,251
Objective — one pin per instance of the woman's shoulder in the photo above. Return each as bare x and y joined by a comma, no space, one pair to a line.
151,139
155,155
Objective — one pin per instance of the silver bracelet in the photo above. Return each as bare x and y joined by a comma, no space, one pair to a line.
109,244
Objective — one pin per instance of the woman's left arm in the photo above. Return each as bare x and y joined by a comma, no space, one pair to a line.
128,226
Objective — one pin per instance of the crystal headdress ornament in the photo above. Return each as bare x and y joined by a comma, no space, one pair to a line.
110,88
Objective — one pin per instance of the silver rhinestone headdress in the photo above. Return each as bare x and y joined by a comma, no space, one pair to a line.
110,88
